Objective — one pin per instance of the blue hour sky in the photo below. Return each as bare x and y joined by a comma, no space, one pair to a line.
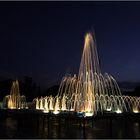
44,40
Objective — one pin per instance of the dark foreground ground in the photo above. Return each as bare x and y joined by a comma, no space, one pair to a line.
33,124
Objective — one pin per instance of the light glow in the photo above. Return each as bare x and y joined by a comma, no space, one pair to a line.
136,111
89,114
56,112
108,109
118,111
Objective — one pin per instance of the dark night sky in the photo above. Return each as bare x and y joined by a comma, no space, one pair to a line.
44,40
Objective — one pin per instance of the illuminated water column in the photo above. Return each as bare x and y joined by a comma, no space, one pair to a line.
88,66
14,94
14,100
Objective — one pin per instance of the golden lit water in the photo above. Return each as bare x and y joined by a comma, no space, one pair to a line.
90,92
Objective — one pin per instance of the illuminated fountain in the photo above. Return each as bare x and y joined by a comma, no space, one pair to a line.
14,100
90,92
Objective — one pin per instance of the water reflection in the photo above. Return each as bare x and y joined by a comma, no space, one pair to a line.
11,127
99,129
